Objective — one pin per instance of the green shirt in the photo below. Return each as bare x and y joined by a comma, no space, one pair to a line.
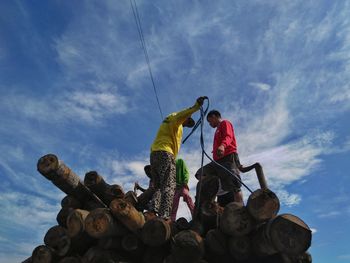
182,174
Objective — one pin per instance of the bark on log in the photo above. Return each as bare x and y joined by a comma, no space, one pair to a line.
60,175
76,222
131,197
263,204
289,234
70,260
127,214
98,255
182,224
114,243
188,246
100,223
28,260
96,183
216,242
57,238
156,232
285,234
70,201
62,216
210,215
64,178
236,221
114,191
156,254
131,242
240,248
42,254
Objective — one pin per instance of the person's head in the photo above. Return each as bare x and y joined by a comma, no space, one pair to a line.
189,122
147,169
214,118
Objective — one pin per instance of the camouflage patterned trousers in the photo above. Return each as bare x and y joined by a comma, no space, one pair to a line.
163,171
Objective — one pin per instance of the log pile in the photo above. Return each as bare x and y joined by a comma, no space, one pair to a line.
99,223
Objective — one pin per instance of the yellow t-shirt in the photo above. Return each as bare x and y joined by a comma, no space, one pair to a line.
170,131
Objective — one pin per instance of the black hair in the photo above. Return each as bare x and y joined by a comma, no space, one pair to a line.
214,113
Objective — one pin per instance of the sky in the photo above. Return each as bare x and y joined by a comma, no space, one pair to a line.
74,82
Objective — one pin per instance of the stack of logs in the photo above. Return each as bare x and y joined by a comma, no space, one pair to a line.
98,223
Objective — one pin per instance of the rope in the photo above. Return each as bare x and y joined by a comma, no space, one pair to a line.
203,113
144,48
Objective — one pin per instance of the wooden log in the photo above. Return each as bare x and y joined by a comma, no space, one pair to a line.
286,234
182,224
100,223
28,260
235,220
57,238
96,183
70,201
289,234
62,216
131,197
216,242
131,242
156,232
263,204
210,215
113,243
112,192
144,199
81,243
60,175
90,205
188,246
103,190
42,254
98,255
240,248
76,222
127,214
64,178
70,260
156,254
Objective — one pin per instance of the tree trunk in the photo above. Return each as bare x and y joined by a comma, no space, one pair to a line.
70,201
114,243
263,204
42,254
289,234
62,216
216,242
127,214
57,238
98,255
156,232
236,221
100,223
76,222
240,248
70,260
188,247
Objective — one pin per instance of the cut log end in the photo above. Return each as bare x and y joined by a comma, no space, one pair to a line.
47,164
263,204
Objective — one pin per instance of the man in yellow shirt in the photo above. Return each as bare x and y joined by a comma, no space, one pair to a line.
164,150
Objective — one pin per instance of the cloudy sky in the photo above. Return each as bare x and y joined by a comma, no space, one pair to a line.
74,82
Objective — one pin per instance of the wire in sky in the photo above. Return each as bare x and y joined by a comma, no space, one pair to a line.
144,47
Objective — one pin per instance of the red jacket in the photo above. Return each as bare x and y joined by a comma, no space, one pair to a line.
225,135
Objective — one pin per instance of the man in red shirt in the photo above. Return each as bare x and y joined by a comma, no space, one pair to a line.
224,153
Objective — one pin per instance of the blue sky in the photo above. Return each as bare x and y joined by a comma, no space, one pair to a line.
74,82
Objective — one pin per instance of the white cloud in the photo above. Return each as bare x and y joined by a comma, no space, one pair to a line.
344,257
261,86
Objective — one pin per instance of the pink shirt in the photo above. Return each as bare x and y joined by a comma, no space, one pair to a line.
225,135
